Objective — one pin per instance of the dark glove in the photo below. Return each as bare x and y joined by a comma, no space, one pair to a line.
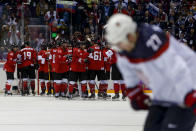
85,60
190,100
69,56
36,66
19,62
47,59
139,101
90,50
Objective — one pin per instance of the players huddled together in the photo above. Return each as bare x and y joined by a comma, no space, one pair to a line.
65,68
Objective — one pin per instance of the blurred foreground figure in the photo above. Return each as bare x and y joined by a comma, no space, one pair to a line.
165,65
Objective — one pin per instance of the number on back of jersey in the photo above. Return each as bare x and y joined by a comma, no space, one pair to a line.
27,55
96,55
154,42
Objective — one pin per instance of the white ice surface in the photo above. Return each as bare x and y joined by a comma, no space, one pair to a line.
49,114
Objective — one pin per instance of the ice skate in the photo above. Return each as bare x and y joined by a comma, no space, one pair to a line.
63,95
116,97
100,95
92,96
124,98
9,93
33,92
70,97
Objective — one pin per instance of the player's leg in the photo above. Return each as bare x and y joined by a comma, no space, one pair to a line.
116,76
116,85
83,83
92,83
107,76
8,84
49,80
25,81
57,83
102,77
64,84
42,82
155,118
31,75
178,119
123,89
72,81
19,76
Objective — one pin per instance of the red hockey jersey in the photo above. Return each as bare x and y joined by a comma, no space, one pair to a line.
19,59
108,53
46,64
78,60
96,59
29,56
56,60
11,62
41,60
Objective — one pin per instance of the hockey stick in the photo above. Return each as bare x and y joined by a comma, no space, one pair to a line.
20,83
37,73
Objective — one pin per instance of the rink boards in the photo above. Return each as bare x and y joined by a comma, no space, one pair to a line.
3,80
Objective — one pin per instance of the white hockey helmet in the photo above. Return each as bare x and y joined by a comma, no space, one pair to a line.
118,27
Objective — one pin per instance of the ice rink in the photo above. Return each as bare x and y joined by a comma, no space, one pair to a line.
49,114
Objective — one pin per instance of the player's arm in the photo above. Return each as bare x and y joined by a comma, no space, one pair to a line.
139,101
190,57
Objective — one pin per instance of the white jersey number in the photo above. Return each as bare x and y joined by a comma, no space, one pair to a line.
96,56
154,42
27,55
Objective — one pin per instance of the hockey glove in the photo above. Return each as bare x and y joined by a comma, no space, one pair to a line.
138,100
90,50
85,60
190,100
36,66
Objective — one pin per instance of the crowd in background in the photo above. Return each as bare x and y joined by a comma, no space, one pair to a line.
89,17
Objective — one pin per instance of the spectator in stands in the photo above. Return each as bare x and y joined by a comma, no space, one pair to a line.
91,2
39,41
121,3
119,8
51,15
1,53
106,9
191,39
41,9
148,18
63,29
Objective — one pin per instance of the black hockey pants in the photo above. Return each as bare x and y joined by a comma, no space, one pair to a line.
172,118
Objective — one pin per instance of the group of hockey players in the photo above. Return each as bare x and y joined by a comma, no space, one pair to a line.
65,69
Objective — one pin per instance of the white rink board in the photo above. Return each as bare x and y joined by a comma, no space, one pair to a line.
3,78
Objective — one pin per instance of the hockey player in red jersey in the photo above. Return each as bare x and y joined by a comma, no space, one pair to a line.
47,70
96,68
56,61
64,67
107,52
78,70
42,62
19,67
9,68
29,64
